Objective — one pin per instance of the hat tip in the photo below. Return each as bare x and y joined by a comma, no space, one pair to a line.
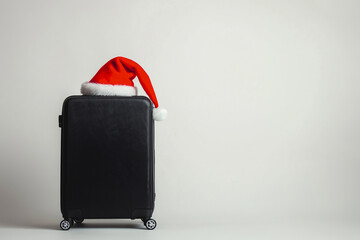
159,114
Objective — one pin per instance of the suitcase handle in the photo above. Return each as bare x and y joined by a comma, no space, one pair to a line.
60,121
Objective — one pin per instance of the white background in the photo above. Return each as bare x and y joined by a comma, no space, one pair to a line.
262,138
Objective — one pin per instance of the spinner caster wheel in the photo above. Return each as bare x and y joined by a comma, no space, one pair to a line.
65,224
150,224
78,220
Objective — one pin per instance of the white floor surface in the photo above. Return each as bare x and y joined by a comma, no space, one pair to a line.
126,229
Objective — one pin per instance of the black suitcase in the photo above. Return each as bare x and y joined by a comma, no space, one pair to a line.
107,159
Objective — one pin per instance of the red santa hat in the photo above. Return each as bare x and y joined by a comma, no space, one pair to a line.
115,79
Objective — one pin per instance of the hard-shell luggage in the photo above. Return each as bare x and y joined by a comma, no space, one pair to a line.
107,159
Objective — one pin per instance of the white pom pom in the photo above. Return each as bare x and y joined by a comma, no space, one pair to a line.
159,114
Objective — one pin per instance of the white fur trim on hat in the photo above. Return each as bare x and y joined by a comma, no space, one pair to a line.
88,88
159,114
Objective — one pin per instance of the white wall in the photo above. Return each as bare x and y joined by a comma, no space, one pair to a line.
263,101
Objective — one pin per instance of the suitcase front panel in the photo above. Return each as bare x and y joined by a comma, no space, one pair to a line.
107,157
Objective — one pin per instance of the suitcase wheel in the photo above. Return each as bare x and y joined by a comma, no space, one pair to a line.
149,223
66,224
78,220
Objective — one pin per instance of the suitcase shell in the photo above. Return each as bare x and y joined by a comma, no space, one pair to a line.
107,157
